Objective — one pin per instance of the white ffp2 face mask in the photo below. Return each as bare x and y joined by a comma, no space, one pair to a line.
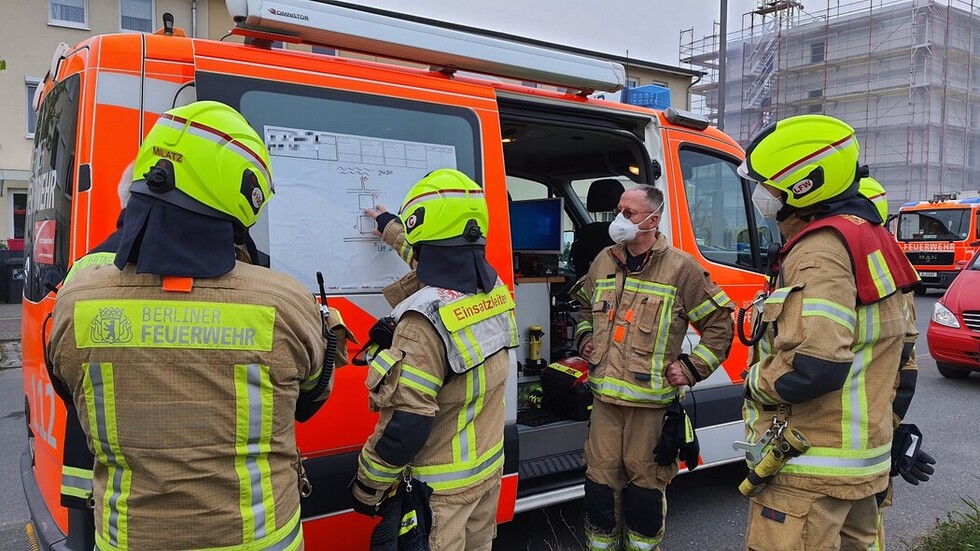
622,230
768,205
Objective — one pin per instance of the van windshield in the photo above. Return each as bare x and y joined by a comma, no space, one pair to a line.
934,225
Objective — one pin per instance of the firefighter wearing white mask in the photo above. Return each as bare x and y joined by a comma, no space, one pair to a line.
638,299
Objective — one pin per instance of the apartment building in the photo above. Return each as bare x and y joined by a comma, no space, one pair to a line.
904,73
31,30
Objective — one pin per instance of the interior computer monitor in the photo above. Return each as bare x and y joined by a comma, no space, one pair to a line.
536,225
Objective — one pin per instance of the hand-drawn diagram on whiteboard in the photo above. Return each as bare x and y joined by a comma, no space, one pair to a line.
323,183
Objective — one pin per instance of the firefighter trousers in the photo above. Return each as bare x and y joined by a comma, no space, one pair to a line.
790,519
624,485
464,522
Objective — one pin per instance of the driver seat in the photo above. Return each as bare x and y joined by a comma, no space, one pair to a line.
591,238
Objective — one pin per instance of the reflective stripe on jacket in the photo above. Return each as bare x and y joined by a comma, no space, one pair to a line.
463,451
188,400
637,323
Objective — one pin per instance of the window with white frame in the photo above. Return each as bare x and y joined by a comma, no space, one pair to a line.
31,84
68,13
136,15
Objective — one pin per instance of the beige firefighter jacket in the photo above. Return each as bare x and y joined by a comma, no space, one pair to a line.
638,323
834,363
188,401
463,454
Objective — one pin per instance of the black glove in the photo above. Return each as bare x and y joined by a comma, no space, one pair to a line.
908,458
677,439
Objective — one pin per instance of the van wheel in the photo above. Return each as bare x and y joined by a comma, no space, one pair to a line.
920,290
947,370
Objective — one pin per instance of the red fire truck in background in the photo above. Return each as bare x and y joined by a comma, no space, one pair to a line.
940,236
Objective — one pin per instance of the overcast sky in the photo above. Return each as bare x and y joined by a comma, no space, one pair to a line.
647,29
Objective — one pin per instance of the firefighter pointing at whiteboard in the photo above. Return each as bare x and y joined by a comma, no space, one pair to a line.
439,383
638,300
831,330
186,366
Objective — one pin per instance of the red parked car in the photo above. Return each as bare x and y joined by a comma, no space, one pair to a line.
954,330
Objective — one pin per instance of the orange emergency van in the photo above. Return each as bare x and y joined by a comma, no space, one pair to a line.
346,134
940,236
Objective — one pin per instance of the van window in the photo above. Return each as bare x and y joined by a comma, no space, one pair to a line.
335,153
50,191
722,215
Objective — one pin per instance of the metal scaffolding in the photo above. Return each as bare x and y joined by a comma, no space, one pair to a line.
903,73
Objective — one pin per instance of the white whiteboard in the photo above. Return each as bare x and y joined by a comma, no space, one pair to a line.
323,182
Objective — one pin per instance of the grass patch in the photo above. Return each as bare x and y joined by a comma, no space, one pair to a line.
960,531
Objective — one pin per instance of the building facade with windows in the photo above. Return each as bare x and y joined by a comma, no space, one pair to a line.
30,33
904,73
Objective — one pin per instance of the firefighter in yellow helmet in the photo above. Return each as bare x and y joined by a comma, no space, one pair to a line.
835,327
920,470
439,384
187,367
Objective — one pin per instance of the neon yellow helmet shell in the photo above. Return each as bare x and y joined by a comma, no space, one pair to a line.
873,191
810,158
218,161
447,208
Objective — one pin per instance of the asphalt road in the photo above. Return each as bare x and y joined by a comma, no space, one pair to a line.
705,510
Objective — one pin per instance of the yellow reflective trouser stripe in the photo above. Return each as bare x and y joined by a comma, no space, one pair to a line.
173,324
100,399
838,462
854,396
601,542
708,306
464,443
459,475
882,276
376,472
76,482
838,313
253,443
751,414
91,259
419,380
287,538
634,541
614,388
707,356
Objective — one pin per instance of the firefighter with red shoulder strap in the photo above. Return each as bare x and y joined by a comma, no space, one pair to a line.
826,368
188,367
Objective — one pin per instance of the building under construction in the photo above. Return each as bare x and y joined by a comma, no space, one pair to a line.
904,73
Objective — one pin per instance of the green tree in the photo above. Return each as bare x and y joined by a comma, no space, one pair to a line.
3,64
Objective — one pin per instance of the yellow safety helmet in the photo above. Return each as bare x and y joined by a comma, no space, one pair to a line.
810,158
873,191
206,158
446,208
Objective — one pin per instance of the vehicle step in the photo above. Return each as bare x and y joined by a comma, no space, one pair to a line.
552,464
